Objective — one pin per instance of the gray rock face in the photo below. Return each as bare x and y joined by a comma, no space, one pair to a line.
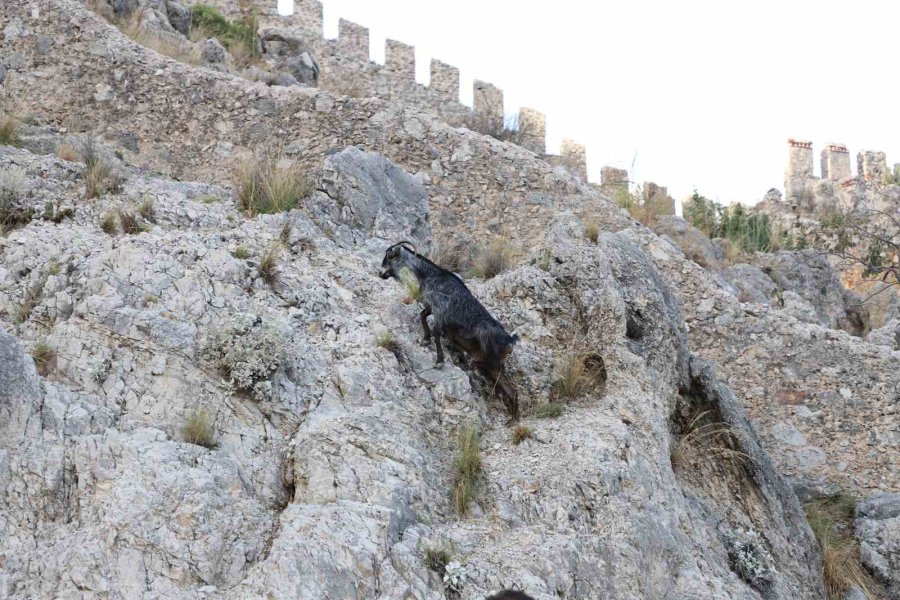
374,198
889,335
213,52
695,245
878,529
179,17
331,467
291,54
302,67
753,285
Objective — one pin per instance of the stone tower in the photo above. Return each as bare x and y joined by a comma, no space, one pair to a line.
799,167
835,162
872,166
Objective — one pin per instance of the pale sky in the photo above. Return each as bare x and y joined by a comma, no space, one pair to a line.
697,93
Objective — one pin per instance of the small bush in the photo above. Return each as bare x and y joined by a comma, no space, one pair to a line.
386,340
99,175
198,429
147,210
241,252
579,374
497,257
453,255
44,358
413,290
246,352
592,231
67,152
109,223
264,188
238,36
551,410
9,131
466,469
831,521
12,215
522,433
750,558
268,265
285,234
26,307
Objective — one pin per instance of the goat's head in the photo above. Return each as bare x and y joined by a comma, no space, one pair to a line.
395,258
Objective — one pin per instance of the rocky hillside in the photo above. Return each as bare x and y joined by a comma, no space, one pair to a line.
202,403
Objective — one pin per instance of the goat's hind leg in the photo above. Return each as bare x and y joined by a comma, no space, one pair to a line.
436,334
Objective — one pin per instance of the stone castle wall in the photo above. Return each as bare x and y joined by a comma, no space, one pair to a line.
345,67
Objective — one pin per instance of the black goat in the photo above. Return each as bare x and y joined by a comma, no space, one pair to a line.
509,595
459,317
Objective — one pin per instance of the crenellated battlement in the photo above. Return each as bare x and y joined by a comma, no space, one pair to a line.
345,66
871,166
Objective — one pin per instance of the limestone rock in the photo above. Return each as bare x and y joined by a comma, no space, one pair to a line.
878,529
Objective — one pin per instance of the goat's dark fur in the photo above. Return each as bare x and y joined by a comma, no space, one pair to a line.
509,595
458,316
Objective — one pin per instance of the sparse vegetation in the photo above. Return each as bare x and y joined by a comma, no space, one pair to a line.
268,265
496,257
132,25
26,307
55,213
246,352
831,521
705,441
9,131
411,285
749,232
265,188
239,36
507,129
550,410
129,222
579,374
749,557
12,215
67,152
285,234
592,230
99,174
241,252
386,340
466,468
198,429
437,559
450,254
109,223
641,206
147,209
44,358
522,433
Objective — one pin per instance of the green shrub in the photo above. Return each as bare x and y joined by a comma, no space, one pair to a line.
551,410
437,559
44,357
386,340
9,131
109,223
240,36
241,252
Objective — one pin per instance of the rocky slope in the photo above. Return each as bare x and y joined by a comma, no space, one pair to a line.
333,469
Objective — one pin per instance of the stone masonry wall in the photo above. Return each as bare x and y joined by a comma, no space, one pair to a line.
345,68
200,124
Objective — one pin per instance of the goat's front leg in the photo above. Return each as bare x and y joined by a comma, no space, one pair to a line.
439,362
424,317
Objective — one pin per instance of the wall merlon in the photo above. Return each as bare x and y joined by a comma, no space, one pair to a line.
835,162
488,102
445,80
799,143
872,166
308,14
532,130
353,40
400,59
613,178
574,157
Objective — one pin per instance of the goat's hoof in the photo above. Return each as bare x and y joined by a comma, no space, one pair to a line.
439,364
425,341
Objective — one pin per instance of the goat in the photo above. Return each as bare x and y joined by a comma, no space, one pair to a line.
509,595
459,317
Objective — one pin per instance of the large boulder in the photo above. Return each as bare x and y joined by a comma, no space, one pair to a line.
291,53
368,196
878,529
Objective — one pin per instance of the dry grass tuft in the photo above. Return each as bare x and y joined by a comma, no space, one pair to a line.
9,131
147,209
551,410
411,284
171,46
522,433
265,188
386,340
99,175
437,559
241,252
109,223
67,152
268,265
831,521
285,234
580,374
44,358
706,442
466,469
129,222
497,257
453,255
198,429
592,231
